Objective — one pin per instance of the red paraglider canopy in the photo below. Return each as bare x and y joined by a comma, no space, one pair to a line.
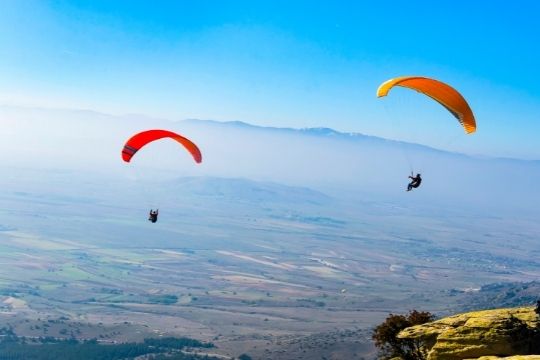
137,141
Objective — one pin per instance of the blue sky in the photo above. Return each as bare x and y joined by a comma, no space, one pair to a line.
283,63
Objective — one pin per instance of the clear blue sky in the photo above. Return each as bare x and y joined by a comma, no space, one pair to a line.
281,63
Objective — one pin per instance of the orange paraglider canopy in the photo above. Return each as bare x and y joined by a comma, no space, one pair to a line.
443,93
137,141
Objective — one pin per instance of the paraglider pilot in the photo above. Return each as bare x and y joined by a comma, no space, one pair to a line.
153,215
415,182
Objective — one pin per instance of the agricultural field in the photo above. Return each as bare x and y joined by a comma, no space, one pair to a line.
267,279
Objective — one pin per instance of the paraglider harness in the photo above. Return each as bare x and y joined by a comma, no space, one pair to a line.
153,215
416,181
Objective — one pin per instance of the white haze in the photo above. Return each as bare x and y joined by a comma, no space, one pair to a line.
348,165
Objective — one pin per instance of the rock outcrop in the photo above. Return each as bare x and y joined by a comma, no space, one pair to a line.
515,357
488,334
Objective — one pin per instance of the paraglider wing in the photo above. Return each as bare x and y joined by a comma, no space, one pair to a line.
443,93
137,141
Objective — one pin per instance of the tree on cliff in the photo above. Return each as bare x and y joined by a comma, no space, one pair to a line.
389,345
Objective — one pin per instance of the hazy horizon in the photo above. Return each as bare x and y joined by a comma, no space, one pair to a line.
319,158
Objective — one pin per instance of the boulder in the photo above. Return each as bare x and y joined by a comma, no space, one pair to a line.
488,334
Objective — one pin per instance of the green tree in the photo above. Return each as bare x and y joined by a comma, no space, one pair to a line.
386,336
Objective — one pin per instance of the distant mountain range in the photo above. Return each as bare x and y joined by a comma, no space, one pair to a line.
137,120
316,131
317,158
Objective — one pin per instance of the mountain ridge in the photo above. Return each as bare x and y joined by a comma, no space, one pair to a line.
321,132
